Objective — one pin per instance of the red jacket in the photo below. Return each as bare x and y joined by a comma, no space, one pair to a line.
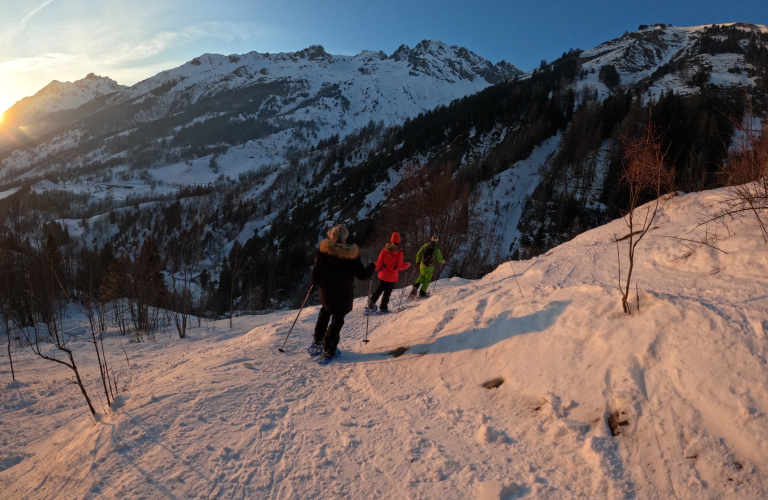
390,262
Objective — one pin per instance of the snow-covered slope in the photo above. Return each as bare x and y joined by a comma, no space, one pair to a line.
637,56
682,382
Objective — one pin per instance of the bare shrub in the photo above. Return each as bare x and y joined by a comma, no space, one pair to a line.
56,337
182,260
6,322
747,173
428,201
115,290
645,172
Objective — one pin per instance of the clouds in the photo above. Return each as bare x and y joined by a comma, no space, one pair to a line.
14,29
34,11
165,40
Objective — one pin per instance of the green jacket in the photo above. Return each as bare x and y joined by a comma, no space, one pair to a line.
437,255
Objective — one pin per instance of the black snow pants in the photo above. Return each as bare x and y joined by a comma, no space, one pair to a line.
384,287
328,335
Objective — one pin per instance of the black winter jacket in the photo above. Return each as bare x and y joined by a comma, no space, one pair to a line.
336,267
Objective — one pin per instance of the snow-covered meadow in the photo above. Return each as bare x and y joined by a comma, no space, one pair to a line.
223,414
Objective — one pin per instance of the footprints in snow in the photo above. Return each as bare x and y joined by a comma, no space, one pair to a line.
397,352
615,421
480,310
493,383
447,318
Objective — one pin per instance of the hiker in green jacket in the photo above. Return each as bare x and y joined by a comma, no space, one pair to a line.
427,256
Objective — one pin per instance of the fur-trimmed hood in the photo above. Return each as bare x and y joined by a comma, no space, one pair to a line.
391,247
340,250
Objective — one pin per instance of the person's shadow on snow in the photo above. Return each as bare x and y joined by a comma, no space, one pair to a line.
504,327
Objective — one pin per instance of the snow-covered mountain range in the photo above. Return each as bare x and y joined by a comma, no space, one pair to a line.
302,140
335,94
281,103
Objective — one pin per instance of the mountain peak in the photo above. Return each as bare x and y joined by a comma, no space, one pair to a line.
402,53
314,53
433,47
60,96
449,62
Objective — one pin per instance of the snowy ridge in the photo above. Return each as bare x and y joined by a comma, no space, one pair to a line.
210,74
60,96
666,403
341,93
637,55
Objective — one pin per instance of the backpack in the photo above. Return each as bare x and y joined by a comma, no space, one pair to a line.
391,261
428,257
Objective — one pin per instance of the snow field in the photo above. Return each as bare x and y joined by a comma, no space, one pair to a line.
222,414
6,194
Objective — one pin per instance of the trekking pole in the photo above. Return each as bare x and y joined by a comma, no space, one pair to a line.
402,292
297,318
518,283
438,277
368,305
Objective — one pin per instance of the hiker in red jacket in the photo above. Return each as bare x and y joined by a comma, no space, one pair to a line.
390,262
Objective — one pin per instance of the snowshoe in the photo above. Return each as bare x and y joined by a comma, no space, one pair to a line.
315,350
424,295
327,357
384,311
370,311
412,295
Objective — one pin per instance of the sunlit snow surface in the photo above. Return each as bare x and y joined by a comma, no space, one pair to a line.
223,414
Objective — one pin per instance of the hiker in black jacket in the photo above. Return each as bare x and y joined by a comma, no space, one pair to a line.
337,264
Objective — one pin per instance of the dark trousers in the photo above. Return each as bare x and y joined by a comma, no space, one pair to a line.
327,335
385,287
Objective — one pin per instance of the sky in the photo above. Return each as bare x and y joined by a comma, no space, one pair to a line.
130,40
